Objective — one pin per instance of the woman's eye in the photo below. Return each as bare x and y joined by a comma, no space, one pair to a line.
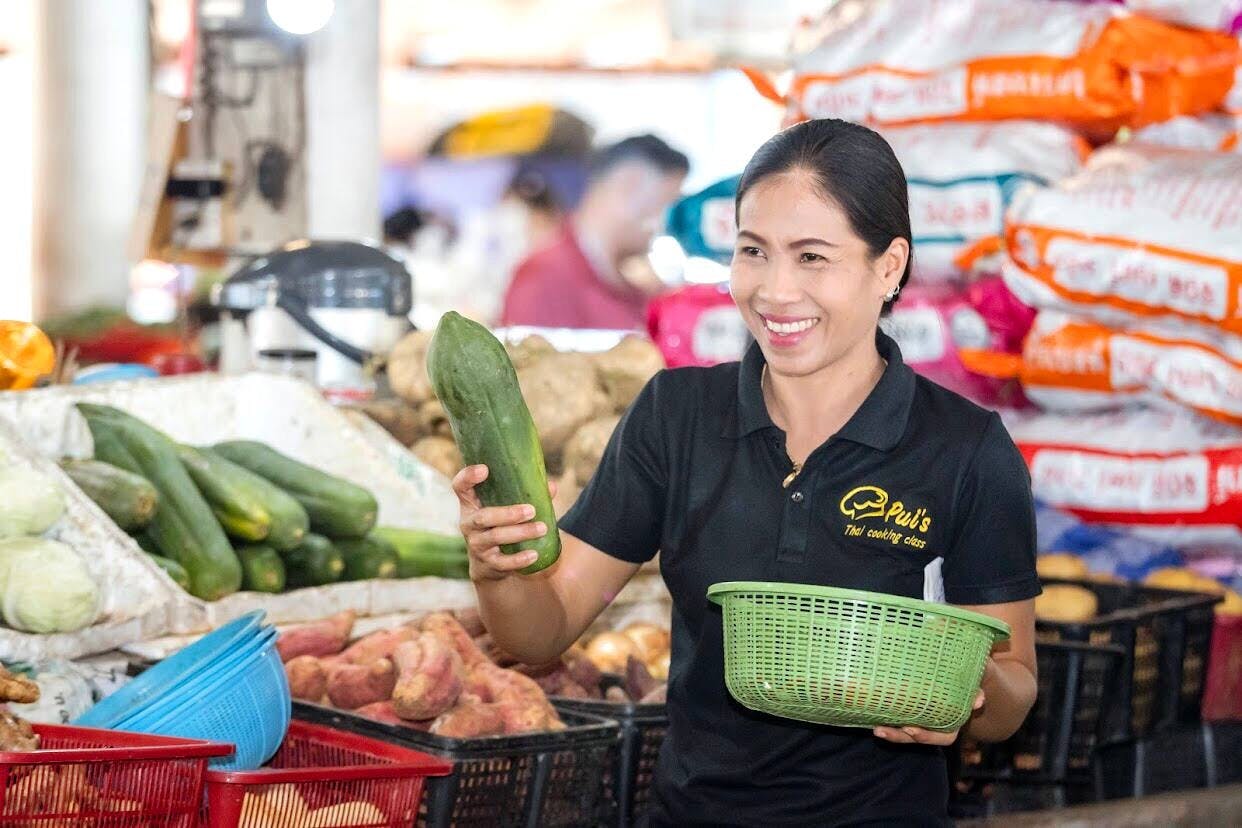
751,251
811,258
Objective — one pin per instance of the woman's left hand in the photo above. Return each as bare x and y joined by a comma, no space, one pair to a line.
921,736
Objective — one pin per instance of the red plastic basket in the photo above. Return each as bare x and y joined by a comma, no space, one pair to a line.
1222,697
366,783
85,776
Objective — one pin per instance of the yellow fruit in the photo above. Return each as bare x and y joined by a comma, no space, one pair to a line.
1060,565
1066,603
1174,577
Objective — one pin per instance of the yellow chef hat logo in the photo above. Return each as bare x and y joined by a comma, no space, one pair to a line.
863,502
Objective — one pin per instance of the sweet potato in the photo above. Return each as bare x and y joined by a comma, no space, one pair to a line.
351,686
383,712
449,630
378,645
429,678
407,368
470,718
522,703
308,680
638,680
321,638
470,621
583,670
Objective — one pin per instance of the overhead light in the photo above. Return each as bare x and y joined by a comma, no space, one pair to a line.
300,17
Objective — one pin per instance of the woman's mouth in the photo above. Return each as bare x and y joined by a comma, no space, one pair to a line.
787,331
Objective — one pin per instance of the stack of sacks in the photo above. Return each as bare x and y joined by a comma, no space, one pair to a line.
1213,130
1169,475
1136,267
1096,67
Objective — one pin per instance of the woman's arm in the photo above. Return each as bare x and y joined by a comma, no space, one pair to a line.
534,618
1008,689
1009,680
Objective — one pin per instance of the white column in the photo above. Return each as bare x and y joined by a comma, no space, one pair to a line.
342,115
90,133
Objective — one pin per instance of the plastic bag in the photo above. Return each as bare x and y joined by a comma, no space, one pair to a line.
704,223
962,177
1215,131
932,324
1143,236
697,325
1093,65
1082,366
1223,15
1171,475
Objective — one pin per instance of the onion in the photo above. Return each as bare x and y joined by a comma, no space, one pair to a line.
610,651
658,666
649,639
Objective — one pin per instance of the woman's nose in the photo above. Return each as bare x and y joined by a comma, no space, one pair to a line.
780,283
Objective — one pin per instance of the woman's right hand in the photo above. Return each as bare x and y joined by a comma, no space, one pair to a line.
486,529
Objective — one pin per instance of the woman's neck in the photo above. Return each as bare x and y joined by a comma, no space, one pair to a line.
812,408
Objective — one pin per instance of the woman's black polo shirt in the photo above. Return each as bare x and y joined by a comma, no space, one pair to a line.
920,494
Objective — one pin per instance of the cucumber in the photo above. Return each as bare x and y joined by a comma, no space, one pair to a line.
369,557
421,553
239,512
337,508
475,382
146,544
248,506
183,528
127,498
175,571
314,562
262,568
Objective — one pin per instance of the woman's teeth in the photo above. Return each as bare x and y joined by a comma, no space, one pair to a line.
790,327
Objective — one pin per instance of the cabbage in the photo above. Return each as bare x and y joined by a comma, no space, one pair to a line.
45,587
30,501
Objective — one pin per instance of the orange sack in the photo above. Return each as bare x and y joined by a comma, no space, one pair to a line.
1092,65
1145,237
1072,365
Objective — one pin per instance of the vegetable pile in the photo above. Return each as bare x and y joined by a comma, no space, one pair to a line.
45,586
240,515
430,675
1068,603
574,399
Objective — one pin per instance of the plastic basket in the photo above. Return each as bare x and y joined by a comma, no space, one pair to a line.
1222,697
367,783
84,776
627,785
537,780
1165,635
849,658
1206,755
1048,762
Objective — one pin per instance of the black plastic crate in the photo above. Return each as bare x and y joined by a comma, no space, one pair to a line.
1165,636
534,780
628,783
1047,763
1200,756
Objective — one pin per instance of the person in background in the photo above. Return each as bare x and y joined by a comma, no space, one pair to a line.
575,281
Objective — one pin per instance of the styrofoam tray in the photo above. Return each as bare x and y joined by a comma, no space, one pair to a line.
136,596
291,417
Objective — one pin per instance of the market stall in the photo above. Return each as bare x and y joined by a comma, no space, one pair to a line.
233,586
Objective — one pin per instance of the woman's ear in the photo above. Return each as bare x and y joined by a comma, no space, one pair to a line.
891,264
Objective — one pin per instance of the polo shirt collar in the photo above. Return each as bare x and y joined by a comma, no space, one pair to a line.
879,422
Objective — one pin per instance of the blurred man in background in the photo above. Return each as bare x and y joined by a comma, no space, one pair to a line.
575,281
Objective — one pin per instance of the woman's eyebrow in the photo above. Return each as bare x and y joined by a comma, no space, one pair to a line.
812,241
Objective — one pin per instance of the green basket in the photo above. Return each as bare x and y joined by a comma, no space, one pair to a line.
849,658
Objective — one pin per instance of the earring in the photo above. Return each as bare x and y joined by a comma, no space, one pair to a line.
892,294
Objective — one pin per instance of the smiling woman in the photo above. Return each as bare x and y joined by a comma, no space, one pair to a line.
820,459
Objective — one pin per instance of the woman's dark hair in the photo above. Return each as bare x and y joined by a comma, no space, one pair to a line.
854,168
